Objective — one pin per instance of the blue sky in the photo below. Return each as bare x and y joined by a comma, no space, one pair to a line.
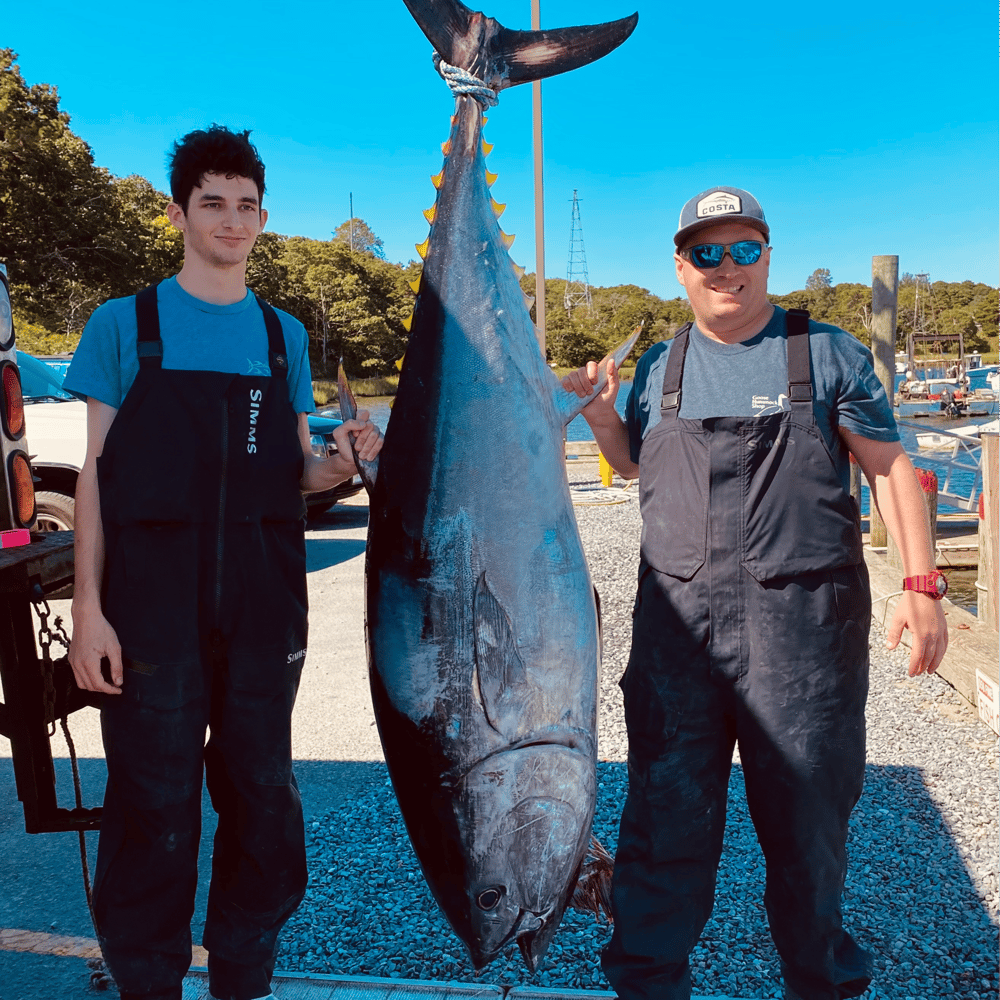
862,128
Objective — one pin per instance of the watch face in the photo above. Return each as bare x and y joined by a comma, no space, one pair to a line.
940,584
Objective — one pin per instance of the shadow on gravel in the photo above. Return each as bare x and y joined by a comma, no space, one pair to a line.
909,900
324,552
368,911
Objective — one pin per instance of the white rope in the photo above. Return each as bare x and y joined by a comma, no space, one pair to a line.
596,496
461,81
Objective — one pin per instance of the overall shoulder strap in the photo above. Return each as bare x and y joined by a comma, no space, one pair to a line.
670,404
799,365
148,345
276,356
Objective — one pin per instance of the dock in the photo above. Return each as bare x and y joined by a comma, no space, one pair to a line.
299,986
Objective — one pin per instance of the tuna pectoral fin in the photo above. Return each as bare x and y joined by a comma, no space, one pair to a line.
348,411
569,404
499,668
502,57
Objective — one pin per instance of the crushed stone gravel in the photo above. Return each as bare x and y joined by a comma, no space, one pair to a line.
922,890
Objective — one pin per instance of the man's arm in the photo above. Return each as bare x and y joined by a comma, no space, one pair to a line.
325,473
900,500
609,429
93,636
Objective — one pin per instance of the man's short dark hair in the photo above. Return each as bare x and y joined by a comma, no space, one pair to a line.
215,150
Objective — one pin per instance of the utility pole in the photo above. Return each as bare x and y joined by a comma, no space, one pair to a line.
536,104
577,282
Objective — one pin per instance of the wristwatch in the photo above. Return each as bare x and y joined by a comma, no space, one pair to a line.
934,584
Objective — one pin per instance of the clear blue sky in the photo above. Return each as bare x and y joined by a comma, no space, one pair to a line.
862,127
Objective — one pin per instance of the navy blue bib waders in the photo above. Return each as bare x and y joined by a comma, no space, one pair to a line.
205,586
751,623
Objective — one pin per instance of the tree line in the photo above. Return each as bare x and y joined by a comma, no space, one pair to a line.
73,235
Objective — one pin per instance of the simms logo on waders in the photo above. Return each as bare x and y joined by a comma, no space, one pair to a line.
255,395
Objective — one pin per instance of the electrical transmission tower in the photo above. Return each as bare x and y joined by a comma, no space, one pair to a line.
577,283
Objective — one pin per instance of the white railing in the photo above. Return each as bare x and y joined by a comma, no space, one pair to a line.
960,454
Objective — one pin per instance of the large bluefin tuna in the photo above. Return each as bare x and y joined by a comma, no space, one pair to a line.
482,624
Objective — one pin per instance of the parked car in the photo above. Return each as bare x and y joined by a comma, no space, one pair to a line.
56,423
57,441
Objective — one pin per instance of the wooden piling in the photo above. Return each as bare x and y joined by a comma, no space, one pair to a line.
885,287
989,532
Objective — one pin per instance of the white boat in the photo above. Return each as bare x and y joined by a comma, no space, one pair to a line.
950,440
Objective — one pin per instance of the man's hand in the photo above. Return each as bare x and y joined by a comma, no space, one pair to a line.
924,617
367,437
601,409
325,473
93,638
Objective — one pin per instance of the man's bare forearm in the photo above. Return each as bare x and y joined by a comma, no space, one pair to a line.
89,540
611,436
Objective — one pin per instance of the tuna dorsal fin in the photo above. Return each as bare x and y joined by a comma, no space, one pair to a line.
501,57
348,411
569,404
499,668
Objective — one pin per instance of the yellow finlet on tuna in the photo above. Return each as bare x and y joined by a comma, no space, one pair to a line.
446,147
399,364
529,301
518,270
507,239
490,178
408,322
438,179
429,214
415,285
422,247
498,209
487,148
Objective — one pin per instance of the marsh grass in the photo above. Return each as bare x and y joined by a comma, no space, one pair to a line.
325,390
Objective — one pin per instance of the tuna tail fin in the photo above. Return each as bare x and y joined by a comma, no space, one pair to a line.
502,57
569,404
348,411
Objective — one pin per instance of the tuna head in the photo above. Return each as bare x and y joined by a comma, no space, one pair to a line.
526,814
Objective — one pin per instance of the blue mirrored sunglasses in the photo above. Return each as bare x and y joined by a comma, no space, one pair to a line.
708,255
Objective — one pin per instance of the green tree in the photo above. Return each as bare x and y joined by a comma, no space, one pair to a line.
358,236
57,209
820,278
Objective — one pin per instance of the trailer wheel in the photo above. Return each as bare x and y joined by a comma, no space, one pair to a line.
55,511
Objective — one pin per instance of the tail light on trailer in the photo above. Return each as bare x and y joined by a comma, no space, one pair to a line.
17,498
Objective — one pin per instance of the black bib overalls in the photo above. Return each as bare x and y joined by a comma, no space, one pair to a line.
205,586
751,625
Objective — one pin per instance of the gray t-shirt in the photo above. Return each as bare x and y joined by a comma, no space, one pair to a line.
196,335
751,380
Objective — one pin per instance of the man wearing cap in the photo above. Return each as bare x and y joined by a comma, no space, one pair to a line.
752,613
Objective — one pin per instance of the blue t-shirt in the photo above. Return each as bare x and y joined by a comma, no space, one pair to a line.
196,335
750,379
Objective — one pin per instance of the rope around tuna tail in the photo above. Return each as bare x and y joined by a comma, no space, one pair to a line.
461,81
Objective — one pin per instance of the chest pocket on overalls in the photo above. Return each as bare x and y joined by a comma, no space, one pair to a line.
797,517
674,494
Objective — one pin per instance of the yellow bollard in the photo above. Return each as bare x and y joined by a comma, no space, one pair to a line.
605,466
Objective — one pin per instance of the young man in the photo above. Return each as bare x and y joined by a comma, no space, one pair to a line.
191,587
753,608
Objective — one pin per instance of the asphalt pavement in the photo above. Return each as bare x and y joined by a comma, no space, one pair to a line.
334,742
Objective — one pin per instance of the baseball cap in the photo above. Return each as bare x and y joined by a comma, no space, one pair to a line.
720,204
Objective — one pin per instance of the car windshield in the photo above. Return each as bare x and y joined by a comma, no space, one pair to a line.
39,381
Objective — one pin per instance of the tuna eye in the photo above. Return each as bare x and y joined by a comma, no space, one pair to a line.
488,898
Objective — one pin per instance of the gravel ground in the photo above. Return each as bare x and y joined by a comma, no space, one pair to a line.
922,890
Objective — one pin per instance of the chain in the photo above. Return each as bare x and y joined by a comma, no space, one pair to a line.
100,977
45,637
